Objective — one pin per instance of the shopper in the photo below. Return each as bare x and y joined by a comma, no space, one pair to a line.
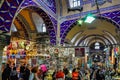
33,74
14,74
6,73
27,73
75,74
66,71
53,75
22,71
60,75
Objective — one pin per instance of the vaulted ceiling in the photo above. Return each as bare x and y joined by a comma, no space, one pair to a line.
26,25
100,30
103,30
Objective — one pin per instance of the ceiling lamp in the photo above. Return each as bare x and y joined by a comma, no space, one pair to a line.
89,18
80,22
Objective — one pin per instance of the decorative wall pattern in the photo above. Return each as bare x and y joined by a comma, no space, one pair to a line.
51,4
27,3
115,16
65,28
50,9
54,23
7,12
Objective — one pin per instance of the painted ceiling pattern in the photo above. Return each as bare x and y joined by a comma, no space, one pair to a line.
9,8
49,3
7,12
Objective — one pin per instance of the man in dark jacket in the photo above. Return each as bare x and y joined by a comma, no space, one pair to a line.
6,73
27,73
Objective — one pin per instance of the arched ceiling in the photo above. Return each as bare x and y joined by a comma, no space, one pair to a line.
26,26
99,30
86,33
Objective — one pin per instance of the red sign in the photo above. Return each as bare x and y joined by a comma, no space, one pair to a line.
79,52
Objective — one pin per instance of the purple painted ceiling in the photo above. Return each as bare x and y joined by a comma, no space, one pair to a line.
8,10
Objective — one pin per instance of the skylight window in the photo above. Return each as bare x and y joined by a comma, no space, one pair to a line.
39,23
74,3
43,28
97,45
13,28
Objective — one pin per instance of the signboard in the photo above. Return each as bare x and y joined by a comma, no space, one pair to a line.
79,52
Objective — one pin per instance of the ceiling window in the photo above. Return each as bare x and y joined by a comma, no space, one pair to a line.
74,3
13,28
39,23
43,28
97,45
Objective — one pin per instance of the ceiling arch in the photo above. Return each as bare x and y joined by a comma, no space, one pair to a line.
102,20
101,27
94,38
21,28
26,18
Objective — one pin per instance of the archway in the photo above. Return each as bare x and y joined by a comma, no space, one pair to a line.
72,23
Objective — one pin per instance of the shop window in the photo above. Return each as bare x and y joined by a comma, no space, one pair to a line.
39,23
74,3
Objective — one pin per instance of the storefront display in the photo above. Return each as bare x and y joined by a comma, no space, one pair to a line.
18,50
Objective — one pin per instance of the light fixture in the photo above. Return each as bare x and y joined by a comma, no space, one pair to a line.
80,22
89,18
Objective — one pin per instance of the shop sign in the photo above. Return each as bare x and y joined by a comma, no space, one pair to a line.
79,52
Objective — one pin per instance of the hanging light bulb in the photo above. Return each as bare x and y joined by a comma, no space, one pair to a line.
80,22
89,18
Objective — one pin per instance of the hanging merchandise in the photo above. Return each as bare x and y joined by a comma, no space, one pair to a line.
19,50
56,50
9,46
116,52
14,45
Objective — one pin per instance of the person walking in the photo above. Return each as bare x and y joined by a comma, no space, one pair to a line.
6,73
14,74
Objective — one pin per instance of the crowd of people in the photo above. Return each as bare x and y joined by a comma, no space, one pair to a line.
82,73
10,72
78,73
